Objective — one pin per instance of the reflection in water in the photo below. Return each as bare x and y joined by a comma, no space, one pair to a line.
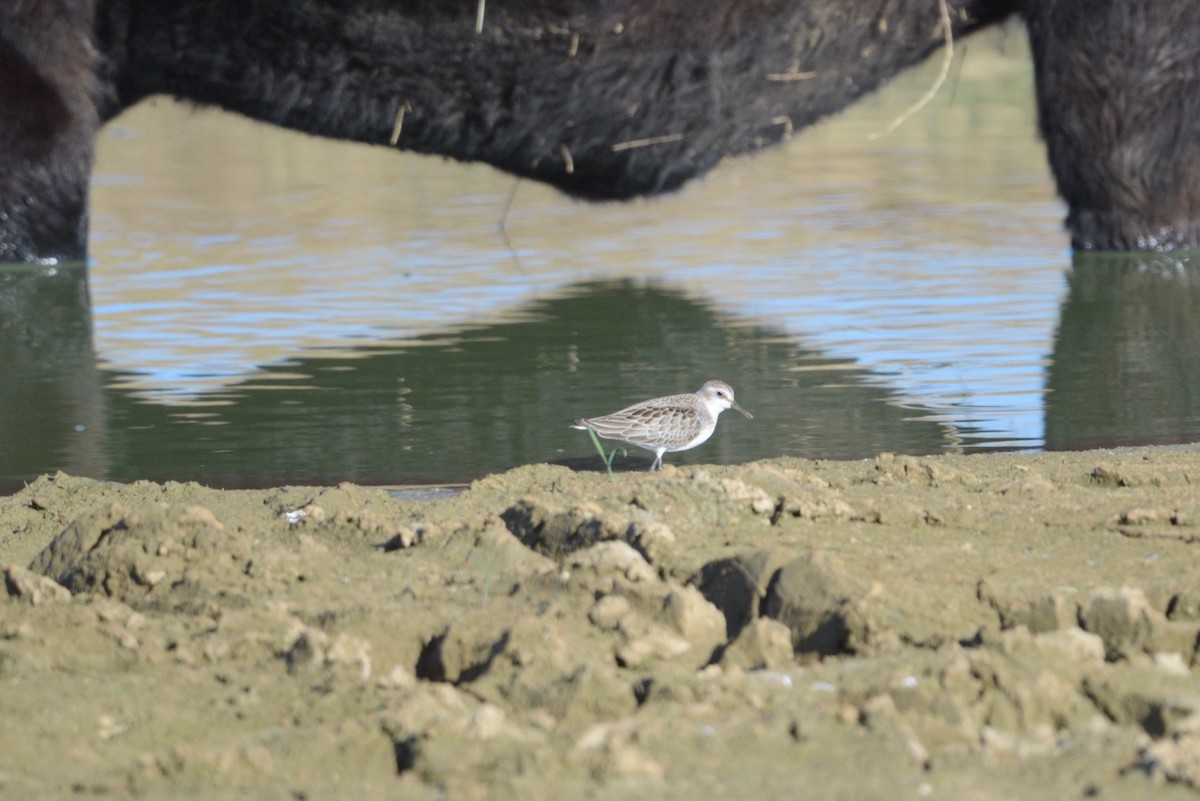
52,406
453,408
1126,367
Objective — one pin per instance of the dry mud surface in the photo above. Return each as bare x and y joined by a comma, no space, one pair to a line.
953,627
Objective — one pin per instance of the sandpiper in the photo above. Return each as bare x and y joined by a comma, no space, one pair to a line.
671,423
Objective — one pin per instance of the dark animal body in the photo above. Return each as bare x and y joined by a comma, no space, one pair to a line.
601,98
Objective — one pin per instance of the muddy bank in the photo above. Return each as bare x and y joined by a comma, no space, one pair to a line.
949,627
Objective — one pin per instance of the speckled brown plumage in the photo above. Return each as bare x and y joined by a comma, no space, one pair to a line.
667,424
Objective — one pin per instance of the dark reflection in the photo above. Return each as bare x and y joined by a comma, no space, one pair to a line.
454,408
52,403
1126,367
1126,370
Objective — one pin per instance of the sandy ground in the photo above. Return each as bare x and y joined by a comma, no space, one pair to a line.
979,627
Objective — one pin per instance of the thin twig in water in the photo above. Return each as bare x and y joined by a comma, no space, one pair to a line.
962,59
653,140
504,225
947,58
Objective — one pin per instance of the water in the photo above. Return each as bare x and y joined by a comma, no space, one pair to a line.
264,307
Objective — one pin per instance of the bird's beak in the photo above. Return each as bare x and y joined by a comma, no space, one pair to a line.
736,406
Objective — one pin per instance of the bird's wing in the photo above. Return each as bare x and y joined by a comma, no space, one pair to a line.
648,426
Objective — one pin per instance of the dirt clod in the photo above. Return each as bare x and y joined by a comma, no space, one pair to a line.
946,627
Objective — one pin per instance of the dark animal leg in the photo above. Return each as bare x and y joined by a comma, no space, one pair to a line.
47,124
1118,88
